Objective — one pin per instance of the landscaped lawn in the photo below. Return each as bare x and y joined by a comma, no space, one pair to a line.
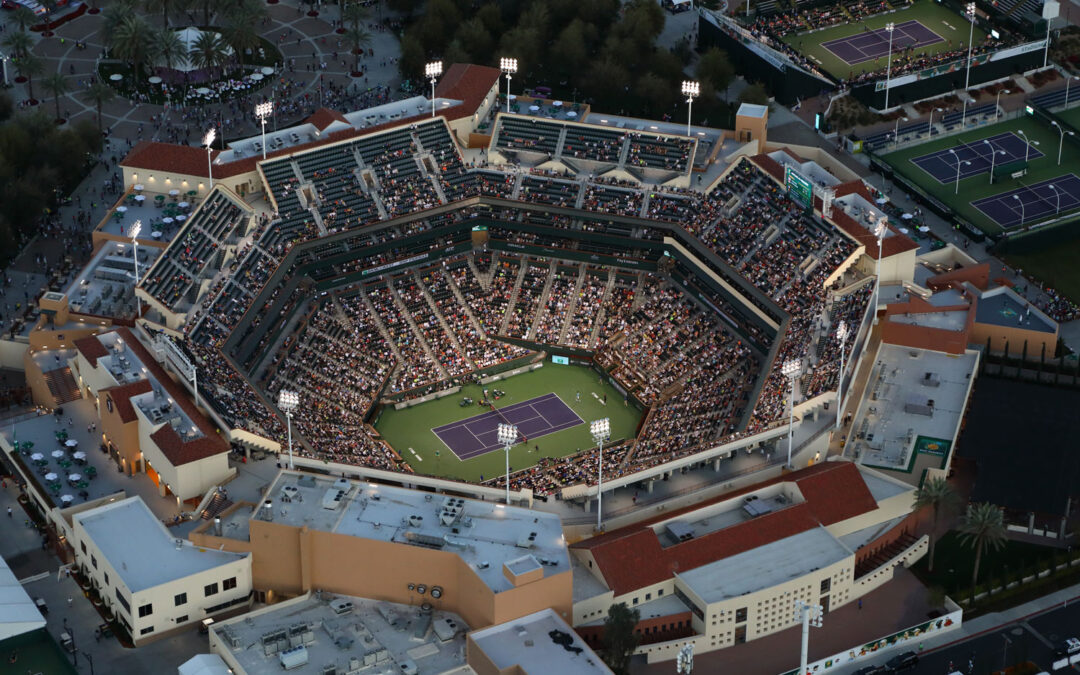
954,560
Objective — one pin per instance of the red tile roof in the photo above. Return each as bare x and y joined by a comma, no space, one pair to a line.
324,117
121,398
469,83
91,348
633,557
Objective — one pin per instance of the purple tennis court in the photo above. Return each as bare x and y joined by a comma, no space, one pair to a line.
874,44
534,418
1032,202
943,164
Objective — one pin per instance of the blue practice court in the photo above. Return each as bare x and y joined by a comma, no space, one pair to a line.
1032,202
941,165
534,418
874,44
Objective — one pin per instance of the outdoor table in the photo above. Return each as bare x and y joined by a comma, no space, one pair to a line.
138,187
67,498
84,484
267,70
140,198
75,477
79,455
571,114
174,192
65,463
167,220
116,77
121,209
71,443
91,471
50,476
181,218
534,108
154,80
183,205
57,454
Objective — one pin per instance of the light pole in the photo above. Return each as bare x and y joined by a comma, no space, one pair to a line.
135,244
508,66
1027,143
601,432
1061,141
1022,214
262,111
433,70
896,131
808,615
958,164
842,333
963,118
970,13
997,103
994,152
930,126
1068,81
879,231
89,660
690,89
888,63
208,141
287,402
507,435
790,369
684,662
1058,195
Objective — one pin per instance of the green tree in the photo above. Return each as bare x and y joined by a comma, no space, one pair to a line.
619,638
411,63
57,85
354,14
167,49
131,42
18,43
29,66
241,31
359,39
474,38
209,51
715,69
571,48
754,93
23,17
114,15
939,496
656,95
7,106
982,527
99,94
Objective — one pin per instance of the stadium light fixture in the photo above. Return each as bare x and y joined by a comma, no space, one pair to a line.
262,111
1061,140
889,28
880,229
691,90
135,244
842,333
997,103
601,432
970,13
896,130
1027,144
808,615
1058,195
507,435
930,126
790,369
508,66
1022,214
287,402
433,70
208,141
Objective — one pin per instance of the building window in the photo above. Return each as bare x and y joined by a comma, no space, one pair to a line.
123,600
648,596
659,592
83,545
211,589
93,561
635,601
180,599
146,610
740,615
228,584
106,578
181,619
148,629
826,584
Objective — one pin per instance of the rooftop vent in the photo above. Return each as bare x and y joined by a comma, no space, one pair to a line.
333,499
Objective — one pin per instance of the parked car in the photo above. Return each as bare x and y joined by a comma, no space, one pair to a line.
902,662
872,670
1067,649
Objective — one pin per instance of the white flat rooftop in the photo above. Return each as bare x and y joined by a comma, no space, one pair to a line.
141,550
765,566
752,110
951,320
380,636
530,643
105,284
484,534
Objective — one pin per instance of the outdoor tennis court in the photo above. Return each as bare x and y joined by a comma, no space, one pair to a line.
534,418
873,44
1032,202
942,164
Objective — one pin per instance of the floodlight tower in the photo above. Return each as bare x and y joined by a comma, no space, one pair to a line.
507,435
433,70
287,402
879,231
135,243
262,111
601,432
508,66
842,333
691,90
790,369
889,28
808,615
970,14
208,141
684,662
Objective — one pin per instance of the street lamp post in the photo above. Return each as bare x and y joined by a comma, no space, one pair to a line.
1061,141
994,152
963,118
958,165
135,245
208,141
930,126
691,90
89,660
508,66
1068,81
1058,195
287,402
507,435
970,13
601,432
896,130
433,70
1022,214
888,62
1027,144
262,111
997,103
842,333
790,369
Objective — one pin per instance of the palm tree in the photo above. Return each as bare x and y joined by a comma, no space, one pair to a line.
23,17
939,496
354,14
241,28
113,16
19,43
131,42
167,49
358,38
28,66
57,85
99,94
982,527
209,51
166,7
